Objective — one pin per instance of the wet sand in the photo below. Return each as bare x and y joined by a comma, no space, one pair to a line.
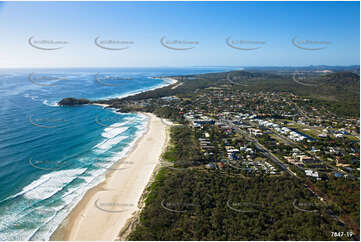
106,208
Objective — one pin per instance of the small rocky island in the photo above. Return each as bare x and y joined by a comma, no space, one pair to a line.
70,101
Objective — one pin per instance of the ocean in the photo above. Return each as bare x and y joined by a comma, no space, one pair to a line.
51,155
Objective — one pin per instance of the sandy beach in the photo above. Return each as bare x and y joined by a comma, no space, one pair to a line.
101,105
172,81
106,208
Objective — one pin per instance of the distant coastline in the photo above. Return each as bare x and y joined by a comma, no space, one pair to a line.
168,82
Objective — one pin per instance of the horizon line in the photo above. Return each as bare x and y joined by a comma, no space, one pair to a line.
220,66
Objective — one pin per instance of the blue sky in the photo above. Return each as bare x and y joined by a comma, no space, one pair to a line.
269,27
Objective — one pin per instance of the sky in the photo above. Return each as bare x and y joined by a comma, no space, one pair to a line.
178,34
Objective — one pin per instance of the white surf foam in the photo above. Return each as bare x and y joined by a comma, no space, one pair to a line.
50,103
108,144
54,182
49,184
113,131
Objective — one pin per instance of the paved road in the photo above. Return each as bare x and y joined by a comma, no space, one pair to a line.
263,149
288,141
278,162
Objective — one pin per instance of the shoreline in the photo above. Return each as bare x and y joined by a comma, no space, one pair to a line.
115,201
101,105
134,220
60,231
169,81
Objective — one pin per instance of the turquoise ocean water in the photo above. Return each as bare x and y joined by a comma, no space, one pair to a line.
50,155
